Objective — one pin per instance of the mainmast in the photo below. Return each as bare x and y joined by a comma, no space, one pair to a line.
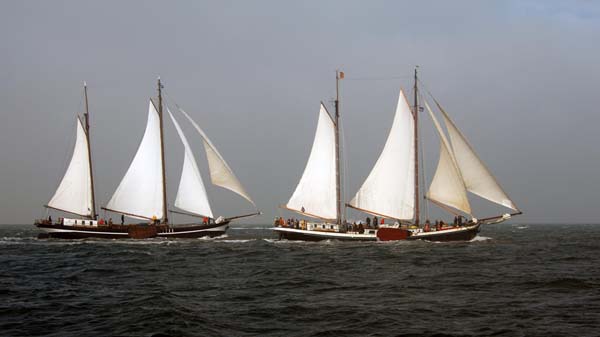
162,153
87,136
416,117
338,200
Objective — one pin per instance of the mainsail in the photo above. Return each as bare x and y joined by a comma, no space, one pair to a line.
477,178
191,195
389,188
140,193
447,186
220,173
315,194
74,194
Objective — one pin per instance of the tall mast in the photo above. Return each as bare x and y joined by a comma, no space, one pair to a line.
416,117
162,153
87,136
338,205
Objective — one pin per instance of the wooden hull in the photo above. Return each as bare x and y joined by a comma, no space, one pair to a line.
136,231
314,235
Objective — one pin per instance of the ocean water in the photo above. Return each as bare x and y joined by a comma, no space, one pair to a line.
513,280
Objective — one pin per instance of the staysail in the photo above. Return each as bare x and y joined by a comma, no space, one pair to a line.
447,186
74,194
220,173
477,178
315,194
140,193
389,188
191,195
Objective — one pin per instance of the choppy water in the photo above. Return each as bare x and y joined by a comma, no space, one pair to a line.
511,280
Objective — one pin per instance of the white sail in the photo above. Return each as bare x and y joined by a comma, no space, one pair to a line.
140,193
315,194
389,190
191,195
220,173
447,186
74,194
478,179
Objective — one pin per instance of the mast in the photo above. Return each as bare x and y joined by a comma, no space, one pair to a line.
162,153
338,205
415,115
87,136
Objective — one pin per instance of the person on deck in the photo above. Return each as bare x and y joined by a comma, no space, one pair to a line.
368,222
375,221
122,219
110,221
50,218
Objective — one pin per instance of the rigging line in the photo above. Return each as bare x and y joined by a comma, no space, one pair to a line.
381,78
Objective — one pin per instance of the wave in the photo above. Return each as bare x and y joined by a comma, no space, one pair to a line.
480,238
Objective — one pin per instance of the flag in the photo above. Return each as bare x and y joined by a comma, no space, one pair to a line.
341,75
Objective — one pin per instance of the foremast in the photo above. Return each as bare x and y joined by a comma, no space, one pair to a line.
165,218
87,135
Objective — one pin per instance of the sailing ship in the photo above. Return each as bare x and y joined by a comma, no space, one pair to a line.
142,193
391,190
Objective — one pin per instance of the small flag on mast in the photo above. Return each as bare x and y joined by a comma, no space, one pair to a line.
341,75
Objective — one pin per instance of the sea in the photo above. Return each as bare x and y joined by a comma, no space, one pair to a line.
511,280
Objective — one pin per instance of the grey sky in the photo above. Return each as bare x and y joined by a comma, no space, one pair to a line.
520,78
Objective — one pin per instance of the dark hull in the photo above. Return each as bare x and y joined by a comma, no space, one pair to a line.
130,231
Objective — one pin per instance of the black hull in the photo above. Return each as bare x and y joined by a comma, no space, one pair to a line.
130,231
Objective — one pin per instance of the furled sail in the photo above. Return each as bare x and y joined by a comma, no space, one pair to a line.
389,190
220,173
447,186
191,195
315,194
477,178
140,193
74,194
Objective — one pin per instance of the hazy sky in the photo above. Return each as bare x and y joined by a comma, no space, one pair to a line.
520,78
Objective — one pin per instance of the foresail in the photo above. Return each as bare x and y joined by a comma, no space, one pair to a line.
191,195
74,194
389,188
478,179
220,173
140,193
315,194
447,186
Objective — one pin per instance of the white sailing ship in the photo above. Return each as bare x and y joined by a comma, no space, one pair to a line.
142,192
391,190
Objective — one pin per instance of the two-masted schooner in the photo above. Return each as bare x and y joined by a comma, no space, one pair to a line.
142,193
391,190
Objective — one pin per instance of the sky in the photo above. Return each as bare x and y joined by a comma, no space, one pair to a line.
520,79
